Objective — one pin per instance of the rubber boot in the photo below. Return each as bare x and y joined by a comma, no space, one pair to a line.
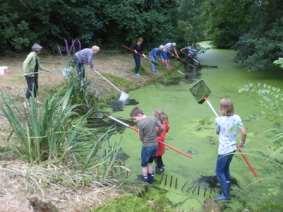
226,190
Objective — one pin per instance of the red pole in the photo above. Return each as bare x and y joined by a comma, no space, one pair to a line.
178,151
247,162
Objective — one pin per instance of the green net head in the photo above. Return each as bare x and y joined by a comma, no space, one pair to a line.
200,91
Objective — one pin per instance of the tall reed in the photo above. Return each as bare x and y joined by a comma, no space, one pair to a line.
58,131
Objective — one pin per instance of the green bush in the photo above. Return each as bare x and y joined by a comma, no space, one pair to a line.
259,51
109,22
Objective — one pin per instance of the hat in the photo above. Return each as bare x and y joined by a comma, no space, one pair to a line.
36,47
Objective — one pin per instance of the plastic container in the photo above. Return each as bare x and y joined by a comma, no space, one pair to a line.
3,70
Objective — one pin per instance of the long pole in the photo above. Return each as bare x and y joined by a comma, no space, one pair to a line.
142,55
167,145
107,80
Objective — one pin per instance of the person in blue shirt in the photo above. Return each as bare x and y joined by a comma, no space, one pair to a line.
154,54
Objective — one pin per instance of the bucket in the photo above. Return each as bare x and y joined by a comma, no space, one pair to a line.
3,70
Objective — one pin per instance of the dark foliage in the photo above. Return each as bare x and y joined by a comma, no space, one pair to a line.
109,22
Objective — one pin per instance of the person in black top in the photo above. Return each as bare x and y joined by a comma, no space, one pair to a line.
138,52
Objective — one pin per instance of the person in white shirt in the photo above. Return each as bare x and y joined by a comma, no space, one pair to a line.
169,49
228,125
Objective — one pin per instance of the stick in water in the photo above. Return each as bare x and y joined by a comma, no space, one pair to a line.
167,145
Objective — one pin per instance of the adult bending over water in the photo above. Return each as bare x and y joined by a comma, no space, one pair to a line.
168,50
227,127
82,57
154,54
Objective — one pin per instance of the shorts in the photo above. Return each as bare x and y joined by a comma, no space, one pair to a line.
165,55
147,155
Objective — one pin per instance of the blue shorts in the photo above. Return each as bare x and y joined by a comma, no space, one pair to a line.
165,55
147,155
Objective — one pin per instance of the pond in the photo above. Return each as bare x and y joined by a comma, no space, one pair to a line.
192,128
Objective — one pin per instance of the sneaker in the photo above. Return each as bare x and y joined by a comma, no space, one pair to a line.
150,178
145,179
159,170
142,178
25,105
138,75
221,197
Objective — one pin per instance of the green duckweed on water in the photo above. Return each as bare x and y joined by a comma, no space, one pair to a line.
192,130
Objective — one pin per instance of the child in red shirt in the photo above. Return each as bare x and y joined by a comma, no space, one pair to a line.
163,118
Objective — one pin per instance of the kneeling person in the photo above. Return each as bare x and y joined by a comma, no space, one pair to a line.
148,128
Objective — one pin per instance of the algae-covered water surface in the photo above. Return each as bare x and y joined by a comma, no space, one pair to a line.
192,130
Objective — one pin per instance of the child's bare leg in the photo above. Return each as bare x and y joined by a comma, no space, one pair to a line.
150,168
167,64
145,171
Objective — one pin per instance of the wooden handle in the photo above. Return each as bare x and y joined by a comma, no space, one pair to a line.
107,80
177,150
247,162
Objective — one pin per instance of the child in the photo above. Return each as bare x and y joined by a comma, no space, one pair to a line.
148,127
163,118
153,55
138,52
227,127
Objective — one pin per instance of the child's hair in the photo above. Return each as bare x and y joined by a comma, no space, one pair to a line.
157,114
226,107
161,116
140,39
136,111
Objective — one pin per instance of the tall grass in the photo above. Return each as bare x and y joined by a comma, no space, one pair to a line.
265,193
58,131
